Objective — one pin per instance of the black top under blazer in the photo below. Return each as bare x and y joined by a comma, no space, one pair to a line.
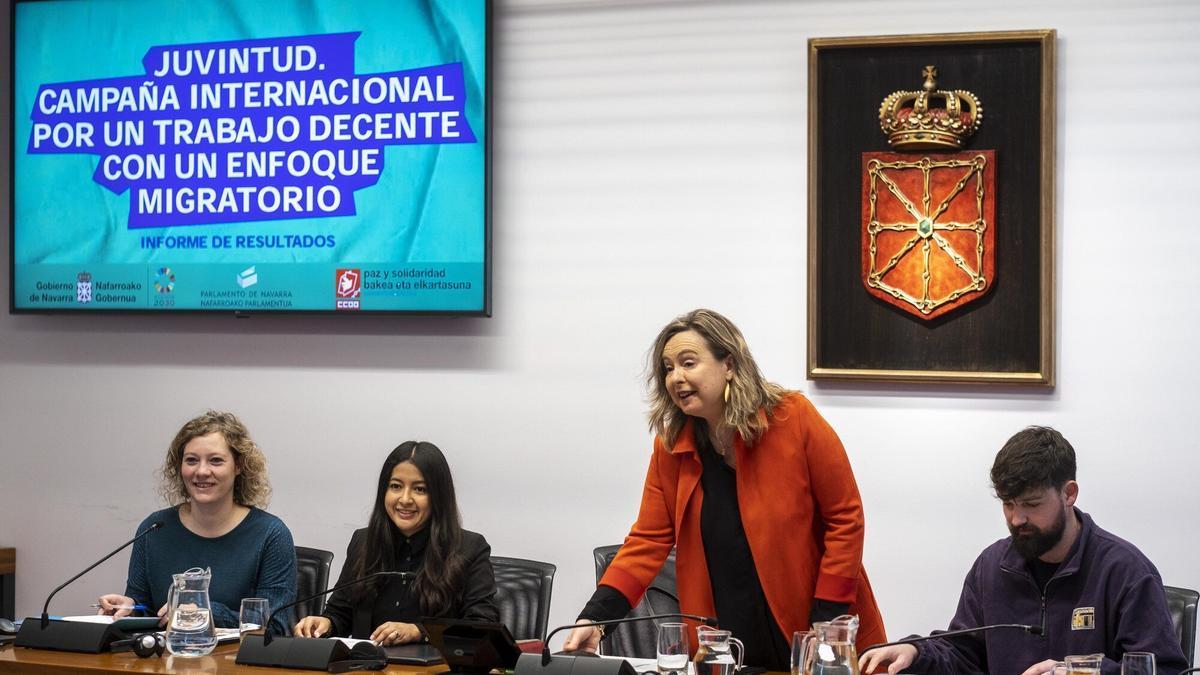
475,600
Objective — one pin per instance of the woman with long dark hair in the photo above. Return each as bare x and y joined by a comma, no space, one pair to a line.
415,527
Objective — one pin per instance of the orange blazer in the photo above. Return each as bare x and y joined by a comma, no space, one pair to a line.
800,508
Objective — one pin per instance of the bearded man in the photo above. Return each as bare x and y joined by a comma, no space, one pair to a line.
1087,590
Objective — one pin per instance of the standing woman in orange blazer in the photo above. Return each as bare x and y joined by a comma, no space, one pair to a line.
753,489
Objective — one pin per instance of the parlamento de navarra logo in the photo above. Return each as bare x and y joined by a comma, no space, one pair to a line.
248,130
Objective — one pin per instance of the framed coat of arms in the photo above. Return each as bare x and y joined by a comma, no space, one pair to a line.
931,208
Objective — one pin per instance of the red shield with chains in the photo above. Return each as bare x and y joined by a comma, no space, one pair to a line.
928,229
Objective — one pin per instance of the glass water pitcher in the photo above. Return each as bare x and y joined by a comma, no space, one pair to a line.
190,628
831,648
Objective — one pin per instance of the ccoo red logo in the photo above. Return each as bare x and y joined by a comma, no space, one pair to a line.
348,283
347,287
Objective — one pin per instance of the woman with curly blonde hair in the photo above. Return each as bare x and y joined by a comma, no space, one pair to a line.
215,479
755,492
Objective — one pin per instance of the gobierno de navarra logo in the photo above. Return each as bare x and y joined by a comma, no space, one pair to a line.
247,130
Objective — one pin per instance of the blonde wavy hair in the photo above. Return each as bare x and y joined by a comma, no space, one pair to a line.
751,396
250,488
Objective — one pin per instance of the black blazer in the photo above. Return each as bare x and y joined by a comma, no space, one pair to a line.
476,599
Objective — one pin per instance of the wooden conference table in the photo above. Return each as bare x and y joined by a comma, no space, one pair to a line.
21,661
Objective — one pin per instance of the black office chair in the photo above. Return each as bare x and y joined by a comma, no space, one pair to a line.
640,639
312,566
1181,602
523,590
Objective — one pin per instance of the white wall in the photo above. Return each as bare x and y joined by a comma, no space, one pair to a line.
650,158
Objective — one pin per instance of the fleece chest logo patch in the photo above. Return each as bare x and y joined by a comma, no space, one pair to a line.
1083,618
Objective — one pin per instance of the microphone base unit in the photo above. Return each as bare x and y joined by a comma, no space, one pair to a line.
67,636
287,652
531,664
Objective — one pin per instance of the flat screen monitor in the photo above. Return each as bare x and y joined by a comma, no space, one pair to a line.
251,156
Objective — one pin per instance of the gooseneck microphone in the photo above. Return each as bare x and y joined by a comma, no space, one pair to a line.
46,607
298,652
567,664
1032,630
613,622
73,636
711,621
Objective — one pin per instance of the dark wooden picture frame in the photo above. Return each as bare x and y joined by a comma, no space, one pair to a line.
1007,336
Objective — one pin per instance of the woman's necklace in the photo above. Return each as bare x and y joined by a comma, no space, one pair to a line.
722,448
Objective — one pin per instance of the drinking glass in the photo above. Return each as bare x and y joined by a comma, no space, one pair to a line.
800,641
1084,665
673,649
252,619
1137,663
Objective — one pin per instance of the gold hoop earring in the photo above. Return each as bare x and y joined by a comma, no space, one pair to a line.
727,391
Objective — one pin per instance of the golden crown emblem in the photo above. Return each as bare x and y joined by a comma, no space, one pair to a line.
930,119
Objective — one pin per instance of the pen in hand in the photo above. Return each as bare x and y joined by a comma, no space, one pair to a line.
132,608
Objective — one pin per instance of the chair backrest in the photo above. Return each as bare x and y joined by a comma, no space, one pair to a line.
639,639
1181,602
312,567
523,590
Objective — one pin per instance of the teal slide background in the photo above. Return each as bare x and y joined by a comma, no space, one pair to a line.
427,210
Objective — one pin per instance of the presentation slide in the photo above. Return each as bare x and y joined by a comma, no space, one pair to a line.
250,156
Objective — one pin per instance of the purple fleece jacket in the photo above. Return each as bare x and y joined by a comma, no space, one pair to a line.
1106,597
